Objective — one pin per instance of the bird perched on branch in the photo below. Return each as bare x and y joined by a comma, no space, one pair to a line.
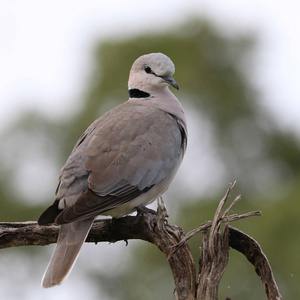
123,161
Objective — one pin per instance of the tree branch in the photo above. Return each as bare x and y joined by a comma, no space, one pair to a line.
245,244
148,227
172,241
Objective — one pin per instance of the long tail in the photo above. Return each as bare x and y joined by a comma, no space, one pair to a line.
70,239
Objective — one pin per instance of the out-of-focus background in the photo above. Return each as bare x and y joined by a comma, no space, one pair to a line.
64,63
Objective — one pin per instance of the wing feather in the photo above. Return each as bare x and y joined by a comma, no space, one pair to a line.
120,156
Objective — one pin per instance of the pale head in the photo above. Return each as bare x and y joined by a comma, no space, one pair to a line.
152,71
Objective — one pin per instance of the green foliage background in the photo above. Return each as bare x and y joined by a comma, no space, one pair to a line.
214,72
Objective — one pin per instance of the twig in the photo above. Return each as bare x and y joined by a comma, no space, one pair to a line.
208,224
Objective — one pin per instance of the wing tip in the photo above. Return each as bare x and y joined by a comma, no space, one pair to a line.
49,215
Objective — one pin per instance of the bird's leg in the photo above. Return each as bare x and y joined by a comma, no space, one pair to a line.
145,214
142,209
113,222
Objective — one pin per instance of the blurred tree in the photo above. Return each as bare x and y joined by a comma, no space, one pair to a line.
214,73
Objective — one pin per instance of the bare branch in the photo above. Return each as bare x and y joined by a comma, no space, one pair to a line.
148,227
245,244
172,241
215,251
206,225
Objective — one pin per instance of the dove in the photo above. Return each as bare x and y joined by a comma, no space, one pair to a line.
125,160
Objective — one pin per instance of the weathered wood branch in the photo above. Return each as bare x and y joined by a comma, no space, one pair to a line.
172,241
215,253
245,244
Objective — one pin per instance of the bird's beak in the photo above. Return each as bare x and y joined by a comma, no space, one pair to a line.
170,80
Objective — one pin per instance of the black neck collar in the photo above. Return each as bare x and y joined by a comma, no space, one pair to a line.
136,93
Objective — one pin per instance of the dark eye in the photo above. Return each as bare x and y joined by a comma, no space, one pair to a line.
148,70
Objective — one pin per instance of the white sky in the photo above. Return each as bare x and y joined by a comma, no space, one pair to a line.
46,46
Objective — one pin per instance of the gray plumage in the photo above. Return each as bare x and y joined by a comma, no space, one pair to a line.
127,157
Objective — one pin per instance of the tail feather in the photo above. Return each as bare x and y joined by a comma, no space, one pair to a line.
70,239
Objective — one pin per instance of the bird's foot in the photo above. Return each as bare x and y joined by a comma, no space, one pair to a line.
142,209
113,222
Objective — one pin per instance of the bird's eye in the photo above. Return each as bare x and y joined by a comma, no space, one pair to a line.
148,70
